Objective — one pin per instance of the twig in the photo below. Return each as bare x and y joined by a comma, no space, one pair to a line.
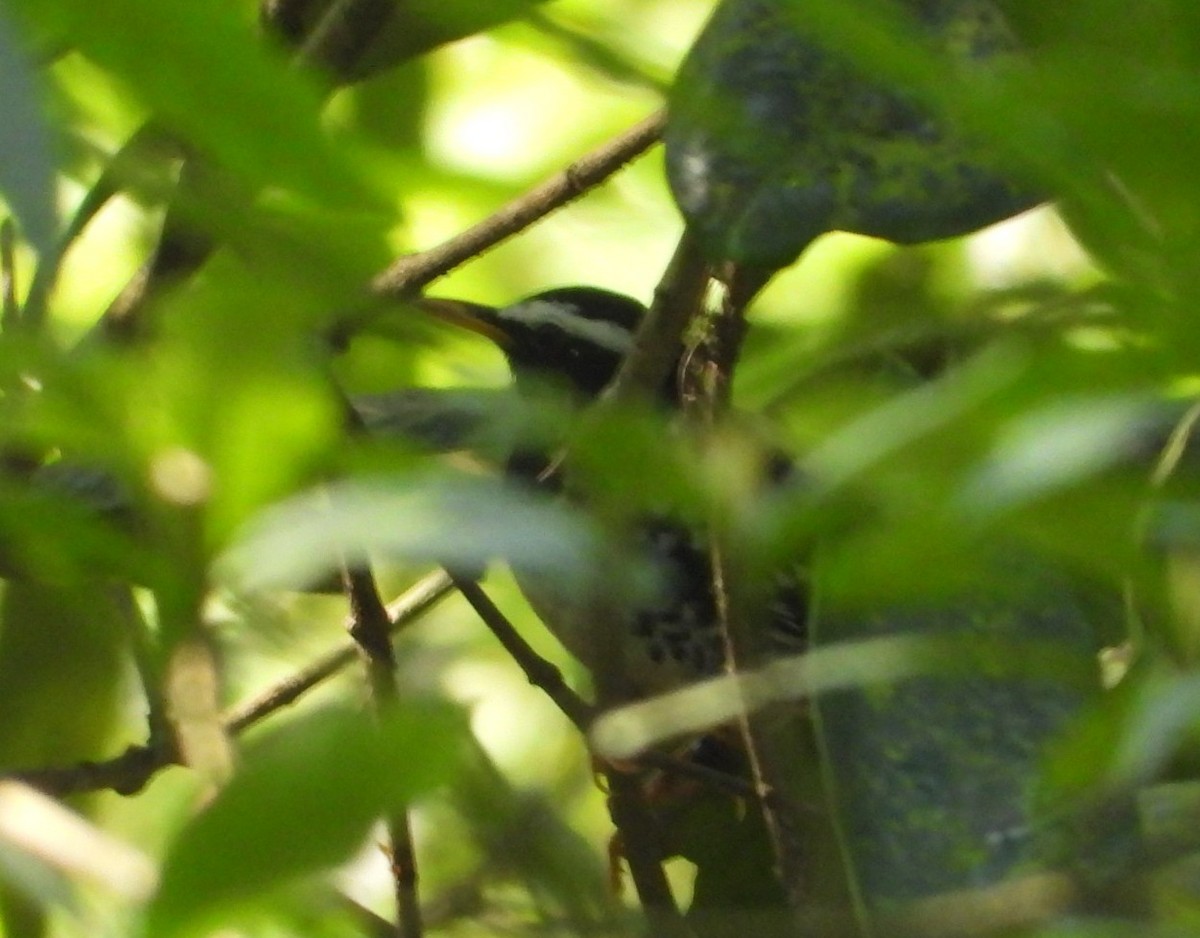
129,772
768,764
126,774
748,648
415,602
408,275
548,679
540,672
715,779
630,814
371,630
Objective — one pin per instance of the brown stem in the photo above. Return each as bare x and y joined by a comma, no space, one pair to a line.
643,853
677,300
540,672
770,762
370,628
633,819
408,275
415,602
748,648
548,679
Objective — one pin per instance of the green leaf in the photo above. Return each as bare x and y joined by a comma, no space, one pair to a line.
302,801
62,660
939,780
1057,446
462,522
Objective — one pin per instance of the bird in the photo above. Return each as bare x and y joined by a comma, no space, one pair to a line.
933,780
575,338
774,137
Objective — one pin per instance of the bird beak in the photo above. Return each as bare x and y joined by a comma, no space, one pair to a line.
475,317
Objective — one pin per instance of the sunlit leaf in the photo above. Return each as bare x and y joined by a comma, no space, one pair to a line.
1056,446
463,523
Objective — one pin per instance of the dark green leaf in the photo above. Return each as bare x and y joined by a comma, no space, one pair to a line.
776,137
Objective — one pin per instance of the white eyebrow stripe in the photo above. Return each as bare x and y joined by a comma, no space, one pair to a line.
605,335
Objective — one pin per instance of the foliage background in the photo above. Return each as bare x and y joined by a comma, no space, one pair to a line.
229,410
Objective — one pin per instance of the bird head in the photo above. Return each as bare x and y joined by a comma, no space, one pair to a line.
575,336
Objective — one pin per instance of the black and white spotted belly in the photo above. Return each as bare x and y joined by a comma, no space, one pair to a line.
674,637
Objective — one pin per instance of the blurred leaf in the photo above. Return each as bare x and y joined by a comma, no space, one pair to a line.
908,417
302,801
1059,445
1156,716
412,28
40,838
255,115
460,522
27,164
520,830
34,879
422,25
63,655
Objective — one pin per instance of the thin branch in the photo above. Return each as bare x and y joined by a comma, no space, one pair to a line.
745,651
410,274
748,648
630,813
416,601
370,628
129,772
543,675
126,774
540,672
717,780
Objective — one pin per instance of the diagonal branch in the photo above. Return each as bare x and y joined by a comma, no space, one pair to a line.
410,274
540,672
627,803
